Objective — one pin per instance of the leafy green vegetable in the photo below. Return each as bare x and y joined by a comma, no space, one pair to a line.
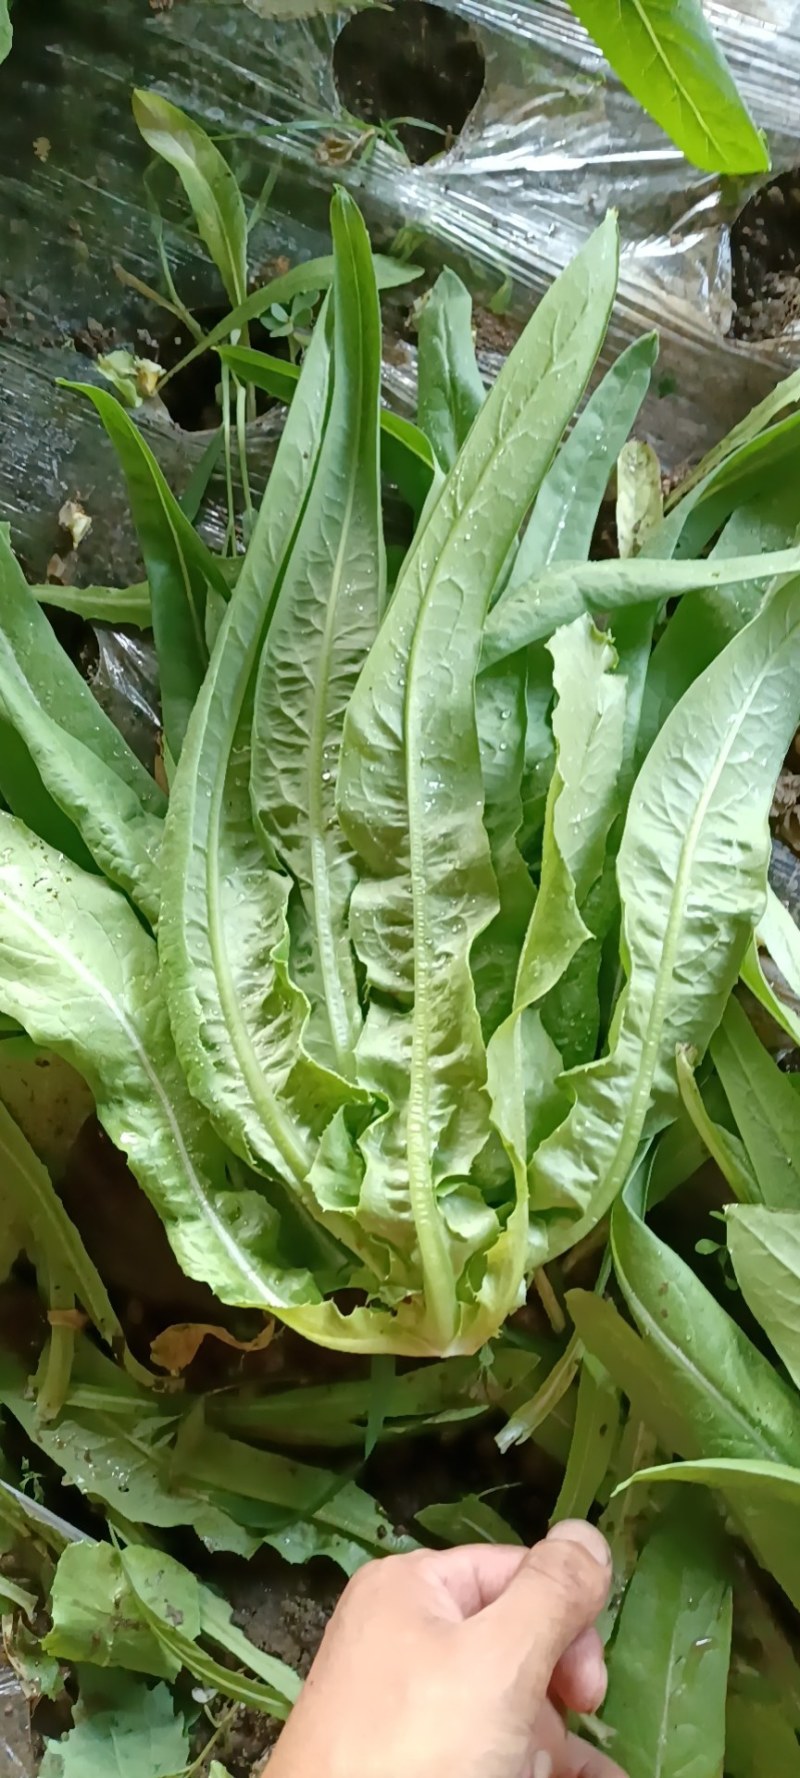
451,389
668,1666
100,604
410,796
79,972
126,1730
764,1245
208,181
6,33
724,742
765,1106
596,1426
665,53
325,618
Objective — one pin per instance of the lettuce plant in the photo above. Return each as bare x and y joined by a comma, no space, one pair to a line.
385,998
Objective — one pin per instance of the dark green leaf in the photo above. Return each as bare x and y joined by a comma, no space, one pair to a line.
178,565
668,1666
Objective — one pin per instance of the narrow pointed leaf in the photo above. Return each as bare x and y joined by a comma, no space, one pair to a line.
325,619
764,1246
682,944
668,1665
83,762
451,390
178,566
209,183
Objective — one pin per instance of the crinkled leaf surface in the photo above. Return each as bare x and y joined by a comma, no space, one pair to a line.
326,616
410,801
80,973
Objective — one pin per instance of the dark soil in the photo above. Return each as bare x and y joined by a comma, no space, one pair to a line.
765,253
413,61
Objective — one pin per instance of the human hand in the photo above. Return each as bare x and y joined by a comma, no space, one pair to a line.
455,1663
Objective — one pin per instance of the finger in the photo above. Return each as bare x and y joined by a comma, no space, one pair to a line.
464,1581
579,1760
559,1754
558,1590
580,1678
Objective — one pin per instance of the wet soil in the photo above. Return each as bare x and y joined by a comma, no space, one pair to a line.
413,61
765,262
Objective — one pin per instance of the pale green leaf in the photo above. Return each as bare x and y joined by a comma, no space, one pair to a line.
729,1153
764,1246
83,762
530,612
326,615
732,1398
469,1520
223,937
640,502
100,604
179,566
209,183
410,801
666,54
704,790
79,972
596,1426
128,1732
451,390
765,1106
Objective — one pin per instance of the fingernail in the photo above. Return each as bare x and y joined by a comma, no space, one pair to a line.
578,1531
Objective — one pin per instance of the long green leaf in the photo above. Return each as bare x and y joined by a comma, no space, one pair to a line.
532,612
705,623
582,803
764,1246
668,1666
325,618
223,938
562,524
410,800
666,54
765,1106
82,760
596,1427
682,944
733,1399
79,972
178,565
29,1198
100,604
209,183
451,390
724,1147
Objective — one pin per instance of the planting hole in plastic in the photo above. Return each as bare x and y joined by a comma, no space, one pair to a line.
414,60
765,262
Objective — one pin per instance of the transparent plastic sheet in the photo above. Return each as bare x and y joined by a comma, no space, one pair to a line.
16,1743
552,141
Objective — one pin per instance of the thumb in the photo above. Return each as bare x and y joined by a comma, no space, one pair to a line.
557,1591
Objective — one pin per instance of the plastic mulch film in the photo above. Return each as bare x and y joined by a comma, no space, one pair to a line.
16,1744
541,141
